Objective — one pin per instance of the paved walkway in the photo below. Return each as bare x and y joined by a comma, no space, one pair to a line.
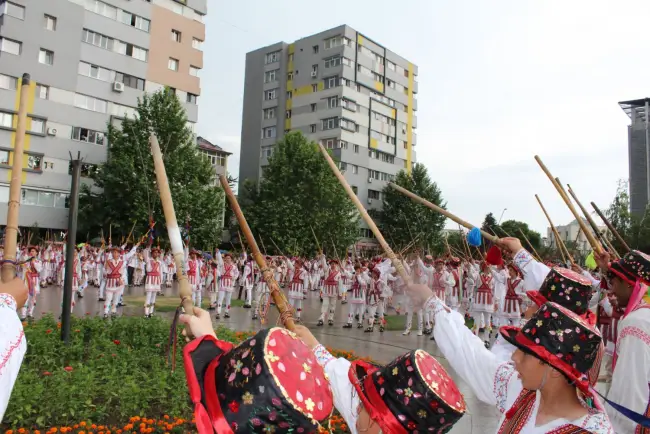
382,347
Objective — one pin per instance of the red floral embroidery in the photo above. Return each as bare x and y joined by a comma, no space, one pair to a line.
234,407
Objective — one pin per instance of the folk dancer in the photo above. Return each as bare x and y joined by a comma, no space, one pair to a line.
76,277
424,271
229,274
455,296
299,279
248,279
357,297
500,281
212,283
170,268
194,275
629,278
85,275
140,269
262,289
33,267
331,290
153,279
511,314
126,256
483,305
115,280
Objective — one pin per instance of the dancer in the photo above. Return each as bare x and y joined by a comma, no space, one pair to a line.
298,277
153,279
229,274
33,267
331,290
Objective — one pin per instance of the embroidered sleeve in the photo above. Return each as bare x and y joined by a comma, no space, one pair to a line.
597,422
322,355
522,258
12,348
501,380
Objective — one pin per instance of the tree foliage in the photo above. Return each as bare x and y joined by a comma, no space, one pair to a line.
634,229
403,221
514,228
297,193
125,192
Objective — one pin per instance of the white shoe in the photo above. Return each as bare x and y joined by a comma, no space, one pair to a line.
420,333
406,332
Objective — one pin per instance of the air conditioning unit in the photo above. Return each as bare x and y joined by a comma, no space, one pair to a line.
369,180
314,74
369,201
51,131
118,87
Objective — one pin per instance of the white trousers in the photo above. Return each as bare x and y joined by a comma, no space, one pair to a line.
355,309
224,296
296,303
150,302
112,298
328,307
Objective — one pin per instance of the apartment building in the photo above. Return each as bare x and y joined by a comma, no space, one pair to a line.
342,89
89,61
638,139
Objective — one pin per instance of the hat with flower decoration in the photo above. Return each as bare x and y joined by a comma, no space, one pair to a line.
560,338
411,394
269,383
566,288
633,266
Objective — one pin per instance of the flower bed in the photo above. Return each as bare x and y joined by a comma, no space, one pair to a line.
112,378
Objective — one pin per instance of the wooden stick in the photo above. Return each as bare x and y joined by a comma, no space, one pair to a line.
590,237
262,241
8,269
316,239
444,212
277,248
278,296
591,221
173,231
364,214
560,244
611,228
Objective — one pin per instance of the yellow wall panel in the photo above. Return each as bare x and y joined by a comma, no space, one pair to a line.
379,86
359,39
373,143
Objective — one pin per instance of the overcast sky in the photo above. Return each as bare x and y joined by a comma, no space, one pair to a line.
499,81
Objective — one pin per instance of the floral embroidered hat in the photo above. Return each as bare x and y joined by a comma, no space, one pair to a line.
633,266
566,288
411,394
562,339
269,383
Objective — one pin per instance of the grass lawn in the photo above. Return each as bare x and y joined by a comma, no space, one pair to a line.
398,322
169,304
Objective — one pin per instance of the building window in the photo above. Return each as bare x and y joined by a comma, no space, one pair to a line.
332,61
356,149
34,162
10,46
87,169
312,128
330,123
269,113
94,71
129,80
87,135
42,91
330,144
97,40
176,36
355,169
50,22
172,64
314,88
135,21
270,94
6,120
90,103
355,189
192,99
343,144
197,44
349,104
268,133
37,126
8,82
333,42
373,194
289,94
287,114
101,8
13,10
289,76
331,82
348,125
333,102
194,71
270,76
313,107
131,50
315,49
4,158
272,57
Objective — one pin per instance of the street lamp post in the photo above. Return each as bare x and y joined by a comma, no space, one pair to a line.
502,212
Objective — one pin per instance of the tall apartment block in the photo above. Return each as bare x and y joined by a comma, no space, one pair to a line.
89,61
638,147
342,89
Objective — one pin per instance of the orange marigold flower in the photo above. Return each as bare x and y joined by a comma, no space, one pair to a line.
82,424
166,416
93,426
37,432
9,432
21,431
54,429
81,432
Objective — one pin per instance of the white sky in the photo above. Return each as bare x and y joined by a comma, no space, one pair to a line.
499,81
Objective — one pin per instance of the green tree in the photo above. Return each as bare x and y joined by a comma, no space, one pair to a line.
125,195
490,224
297,193
514,228
403,221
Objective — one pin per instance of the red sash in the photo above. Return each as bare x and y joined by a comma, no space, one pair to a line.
115,271
227,272
297,276
485,282
155,268
332,278
512,284
191,268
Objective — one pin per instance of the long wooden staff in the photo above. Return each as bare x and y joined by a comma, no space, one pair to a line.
316,239
277,248
262,241
173,231
364,214
590,237
611,228
444,212
590,220
8,270
558,240
278,296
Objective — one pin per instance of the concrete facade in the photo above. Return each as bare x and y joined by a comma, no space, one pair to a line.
341,89
638,155
569,233
89,62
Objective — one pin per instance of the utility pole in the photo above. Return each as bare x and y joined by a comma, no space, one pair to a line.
70,248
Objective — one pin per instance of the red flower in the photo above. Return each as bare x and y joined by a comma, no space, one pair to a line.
68,368
116,342
381,380
114,355
411,425
234,407
47,374
48,331
434,404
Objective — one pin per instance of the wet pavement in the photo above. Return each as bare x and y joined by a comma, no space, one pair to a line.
382,347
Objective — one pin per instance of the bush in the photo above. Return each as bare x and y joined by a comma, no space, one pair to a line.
113,375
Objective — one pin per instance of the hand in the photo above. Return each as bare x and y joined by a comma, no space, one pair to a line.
199,324
418,294
577,268
17,289
602,260
511,244
306,336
